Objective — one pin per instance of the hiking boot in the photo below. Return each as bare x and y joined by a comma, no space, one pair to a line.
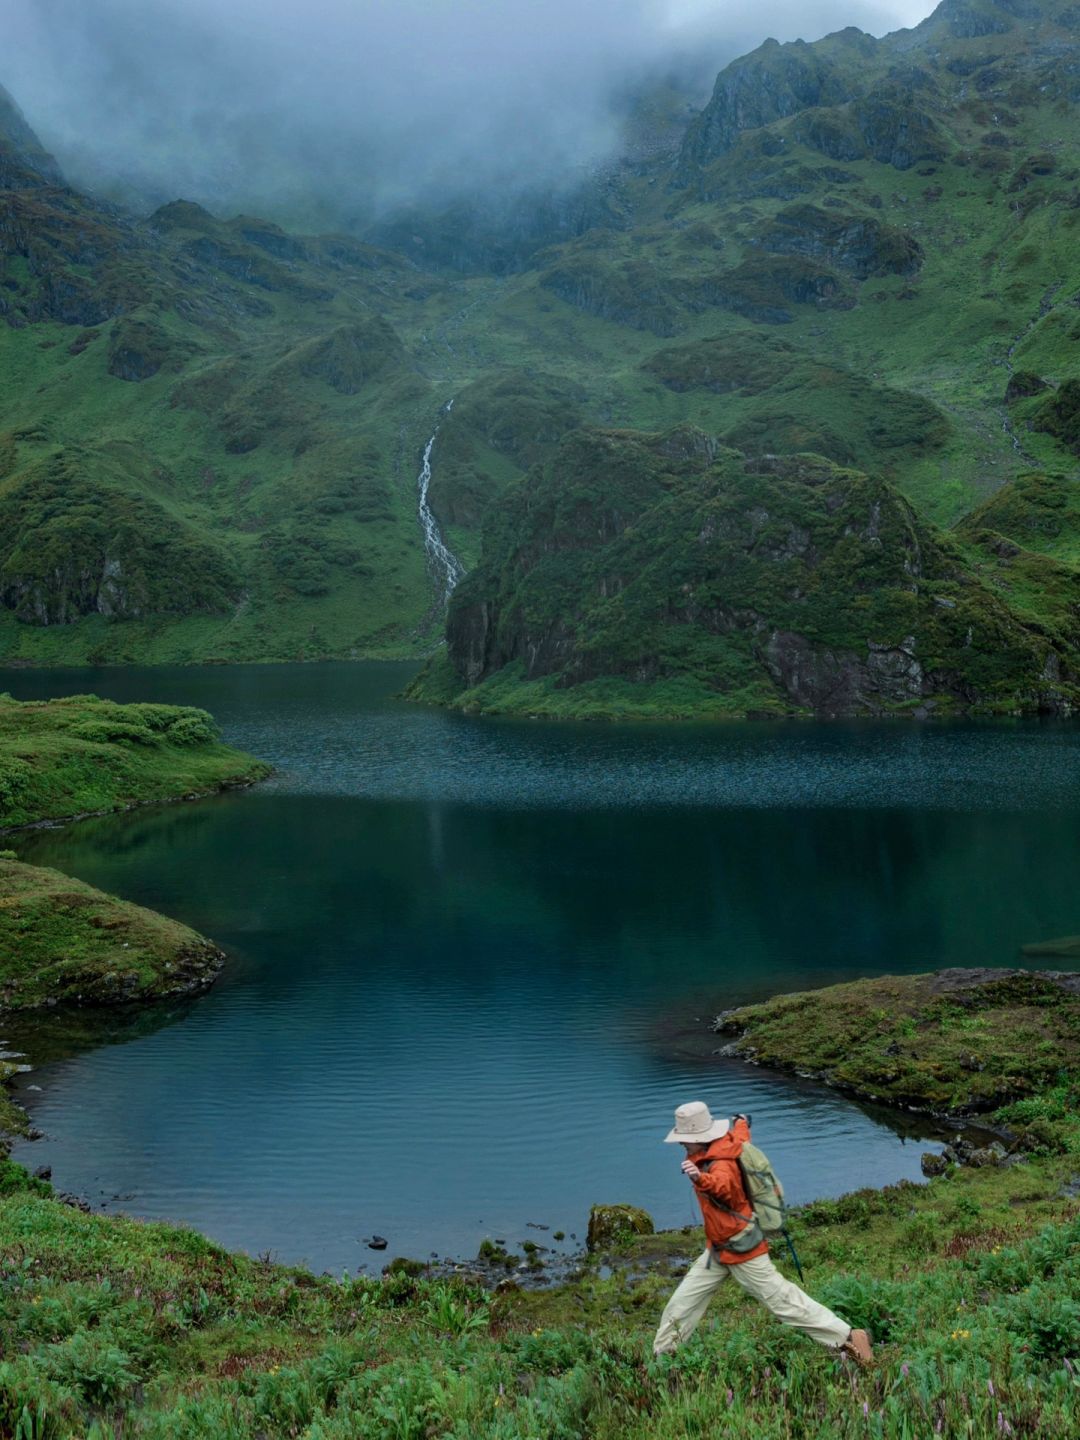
858,1346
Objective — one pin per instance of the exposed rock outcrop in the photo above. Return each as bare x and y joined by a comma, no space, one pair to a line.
788,581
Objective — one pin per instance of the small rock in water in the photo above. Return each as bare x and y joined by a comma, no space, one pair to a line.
377,1243
933,1164
532,1225
43,1172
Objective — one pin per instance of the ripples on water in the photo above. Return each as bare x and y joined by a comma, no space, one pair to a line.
473,960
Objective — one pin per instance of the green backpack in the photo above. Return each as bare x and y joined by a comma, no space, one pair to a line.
763,1190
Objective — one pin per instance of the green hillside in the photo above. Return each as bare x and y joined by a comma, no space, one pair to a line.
666,575
211,429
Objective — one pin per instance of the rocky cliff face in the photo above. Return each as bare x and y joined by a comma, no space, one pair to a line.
809,587
24,161
72,547
774,82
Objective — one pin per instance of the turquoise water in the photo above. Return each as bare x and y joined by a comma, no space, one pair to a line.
473,961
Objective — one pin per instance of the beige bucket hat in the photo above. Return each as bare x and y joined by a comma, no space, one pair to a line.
694,1124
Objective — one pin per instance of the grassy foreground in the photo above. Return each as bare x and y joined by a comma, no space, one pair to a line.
79,755
110,1328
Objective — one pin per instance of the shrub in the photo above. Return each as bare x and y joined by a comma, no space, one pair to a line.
100,1371
194,728
1047,1321
113,732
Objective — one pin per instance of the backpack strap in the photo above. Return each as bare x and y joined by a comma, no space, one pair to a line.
706,1166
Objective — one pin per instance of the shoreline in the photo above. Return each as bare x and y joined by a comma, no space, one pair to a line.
941,1272
262,771
560,1266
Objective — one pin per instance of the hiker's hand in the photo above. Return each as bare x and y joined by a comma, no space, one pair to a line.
690,1170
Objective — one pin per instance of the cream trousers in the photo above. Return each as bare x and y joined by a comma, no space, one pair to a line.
758,1277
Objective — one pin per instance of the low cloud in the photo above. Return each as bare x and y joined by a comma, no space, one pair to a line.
325,111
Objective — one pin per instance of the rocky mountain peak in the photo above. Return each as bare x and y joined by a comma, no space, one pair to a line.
24,161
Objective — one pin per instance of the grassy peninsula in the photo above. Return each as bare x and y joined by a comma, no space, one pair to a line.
957,1042
80,755
63,941
109,1327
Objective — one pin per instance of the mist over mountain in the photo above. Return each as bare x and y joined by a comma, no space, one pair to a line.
332,113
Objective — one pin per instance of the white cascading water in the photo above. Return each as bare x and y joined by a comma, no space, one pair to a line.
445,565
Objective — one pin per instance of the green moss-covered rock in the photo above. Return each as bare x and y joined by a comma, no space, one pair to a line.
611,1224
860,244
1059,415
72,546
498,427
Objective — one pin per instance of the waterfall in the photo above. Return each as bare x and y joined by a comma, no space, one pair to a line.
443,563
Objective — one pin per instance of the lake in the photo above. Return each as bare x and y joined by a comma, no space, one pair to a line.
473,961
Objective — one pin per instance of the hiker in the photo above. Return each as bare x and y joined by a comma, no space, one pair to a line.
735,1244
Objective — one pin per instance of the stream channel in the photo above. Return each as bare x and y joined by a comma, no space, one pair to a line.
473,962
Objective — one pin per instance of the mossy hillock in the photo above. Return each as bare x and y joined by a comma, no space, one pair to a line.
668,574
796,402
63,942
498,428
75,543
60,759
861,244
953,1042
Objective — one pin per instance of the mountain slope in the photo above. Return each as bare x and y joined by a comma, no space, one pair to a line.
664,575
860,248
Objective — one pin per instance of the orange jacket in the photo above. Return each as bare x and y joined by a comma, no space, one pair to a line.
723,1179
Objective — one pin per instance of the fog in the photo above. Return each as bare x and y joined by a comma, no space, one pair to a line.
322,112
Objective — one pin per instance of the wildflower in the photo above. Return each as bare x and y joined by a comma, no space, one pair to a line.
904,1369
730,1396
990,1386
865,1408
960,1335
498,1400
537,1332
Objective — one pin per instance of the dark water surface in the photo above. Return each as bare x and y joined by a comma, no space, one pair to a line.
472,959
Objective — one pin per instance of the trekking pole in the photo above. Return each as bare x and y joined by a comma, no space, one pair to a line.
794,1257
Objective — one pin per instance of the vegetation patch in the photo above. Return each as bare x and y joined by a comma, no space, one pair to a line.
777,583
63,941
956,1042
81,755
